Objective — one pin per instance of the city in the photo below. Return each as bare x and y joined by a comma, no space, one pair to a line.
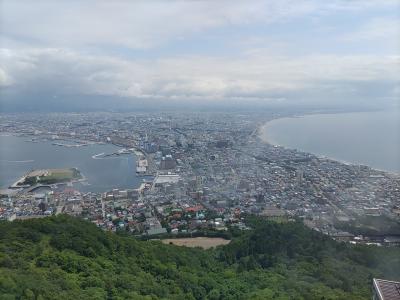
201,172
200,150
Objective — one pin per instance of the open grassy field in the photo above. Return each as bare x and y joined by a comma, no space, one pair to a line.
59,174
203,242
49,176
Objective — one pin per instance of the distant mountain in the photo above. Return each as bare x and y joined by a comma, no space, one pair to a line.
68,258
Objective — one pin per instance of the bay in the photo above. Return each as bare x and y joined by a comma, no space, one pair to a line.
18,156
368,138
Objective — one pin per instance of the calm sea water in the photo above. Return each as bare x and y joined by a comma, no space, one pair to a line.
369,138
18,156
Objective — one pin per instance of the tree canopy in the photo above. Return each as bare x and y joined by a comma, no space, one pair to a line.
65,257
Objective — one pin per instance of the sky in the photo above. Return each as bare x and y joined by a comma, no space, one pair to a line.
96,55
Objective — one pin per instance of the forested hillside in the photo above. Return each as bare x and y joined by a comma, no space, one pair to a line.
67,258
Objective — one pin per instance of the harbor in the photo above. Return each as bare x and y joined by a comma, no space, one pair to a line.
119,170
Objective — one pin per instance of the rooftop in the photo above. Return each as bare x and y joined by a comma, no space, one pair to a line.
387,290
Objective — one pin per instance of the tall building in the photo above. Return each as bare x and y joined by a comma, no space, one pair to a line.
167,162
199,182
299,176
386,289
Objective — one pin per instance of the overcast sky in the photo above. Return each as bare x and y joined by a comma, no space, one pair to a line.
287,52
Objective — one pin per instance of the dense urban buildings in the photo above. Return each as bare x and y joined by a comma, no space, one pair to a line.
203,171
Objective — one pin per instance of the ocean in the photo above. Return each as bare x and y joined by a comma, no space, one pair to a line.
368,138
18,156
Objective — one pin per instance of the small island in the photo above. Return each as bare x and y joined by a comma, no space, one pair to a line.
49,176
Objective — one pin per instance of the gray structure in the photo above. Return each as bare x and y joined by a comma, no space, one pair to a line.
386,290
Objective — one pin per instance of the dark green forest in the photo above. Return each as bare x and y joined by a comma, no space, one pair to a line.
68,258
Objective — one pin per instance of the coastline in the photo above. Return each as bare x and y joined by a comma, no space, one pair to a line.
46,139
263,136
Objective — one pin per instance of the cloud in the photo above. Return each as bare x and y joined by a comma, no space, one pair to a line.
190,77
147,24
139,24
387,30
161,50
358,5
5,79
